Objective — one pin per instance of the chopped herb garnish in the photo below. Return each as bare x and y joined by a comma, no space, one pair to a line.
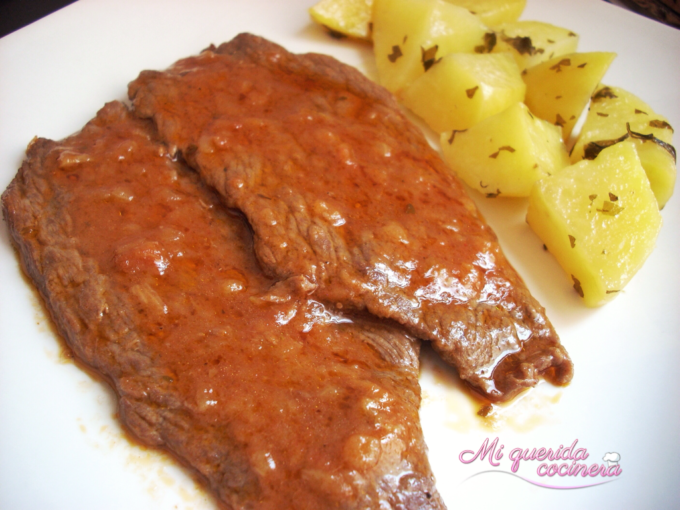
334,33
545,248
602,114
604,93
482,185
610,208
651,138
396,53
428,56
638,112
453,134
559,121
489,43
592,150
410,209
592,198
558,97
523,45
660,124
582,65
504,148
550,41
493,195
612,291
572,241
613,197
577,285
558,67
571,34
405,39
471,92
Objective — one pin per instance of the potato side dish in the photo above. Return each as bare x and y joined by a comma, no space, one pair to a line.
505,96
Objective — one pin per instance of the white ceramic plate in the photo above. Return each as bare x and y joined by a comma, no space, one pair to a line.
60,446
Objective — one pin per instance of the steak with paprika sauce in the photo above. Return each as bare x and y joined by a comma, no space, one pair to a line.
343,191
274,399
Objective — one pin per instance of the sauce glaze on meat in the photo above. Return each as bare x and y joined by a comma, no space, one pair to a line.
344,192
276,400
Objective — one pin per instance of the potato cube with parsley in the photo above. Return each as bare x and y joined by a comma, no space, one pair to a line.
533,42
464,88
493,12
599,219
346,17
507,153
409,36
615,115
559,89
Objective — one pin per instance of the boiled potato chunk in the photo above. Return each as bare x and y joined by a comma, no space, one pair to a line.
347,17
611,109
533,42
599,219
409,36
507,153
559,89
493,12
464,88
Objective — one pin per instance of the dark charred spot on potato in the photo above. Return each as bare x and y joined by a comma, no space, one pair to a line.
504,148
577,286
603,93
471,92
661,124
558,97
396,53
545,248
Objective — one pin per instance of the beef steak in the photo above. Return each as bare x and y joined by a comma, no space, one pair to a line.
274,399
344,192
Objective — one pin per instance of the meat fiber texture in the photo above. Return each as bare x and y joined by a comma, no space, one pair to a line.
346,196
275,400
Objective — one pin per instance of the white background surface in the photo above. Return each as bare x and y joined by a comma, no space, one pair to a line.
60,446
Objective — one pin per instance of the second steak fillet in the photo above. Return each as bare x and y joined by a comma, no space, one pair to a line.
343,191
273,399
